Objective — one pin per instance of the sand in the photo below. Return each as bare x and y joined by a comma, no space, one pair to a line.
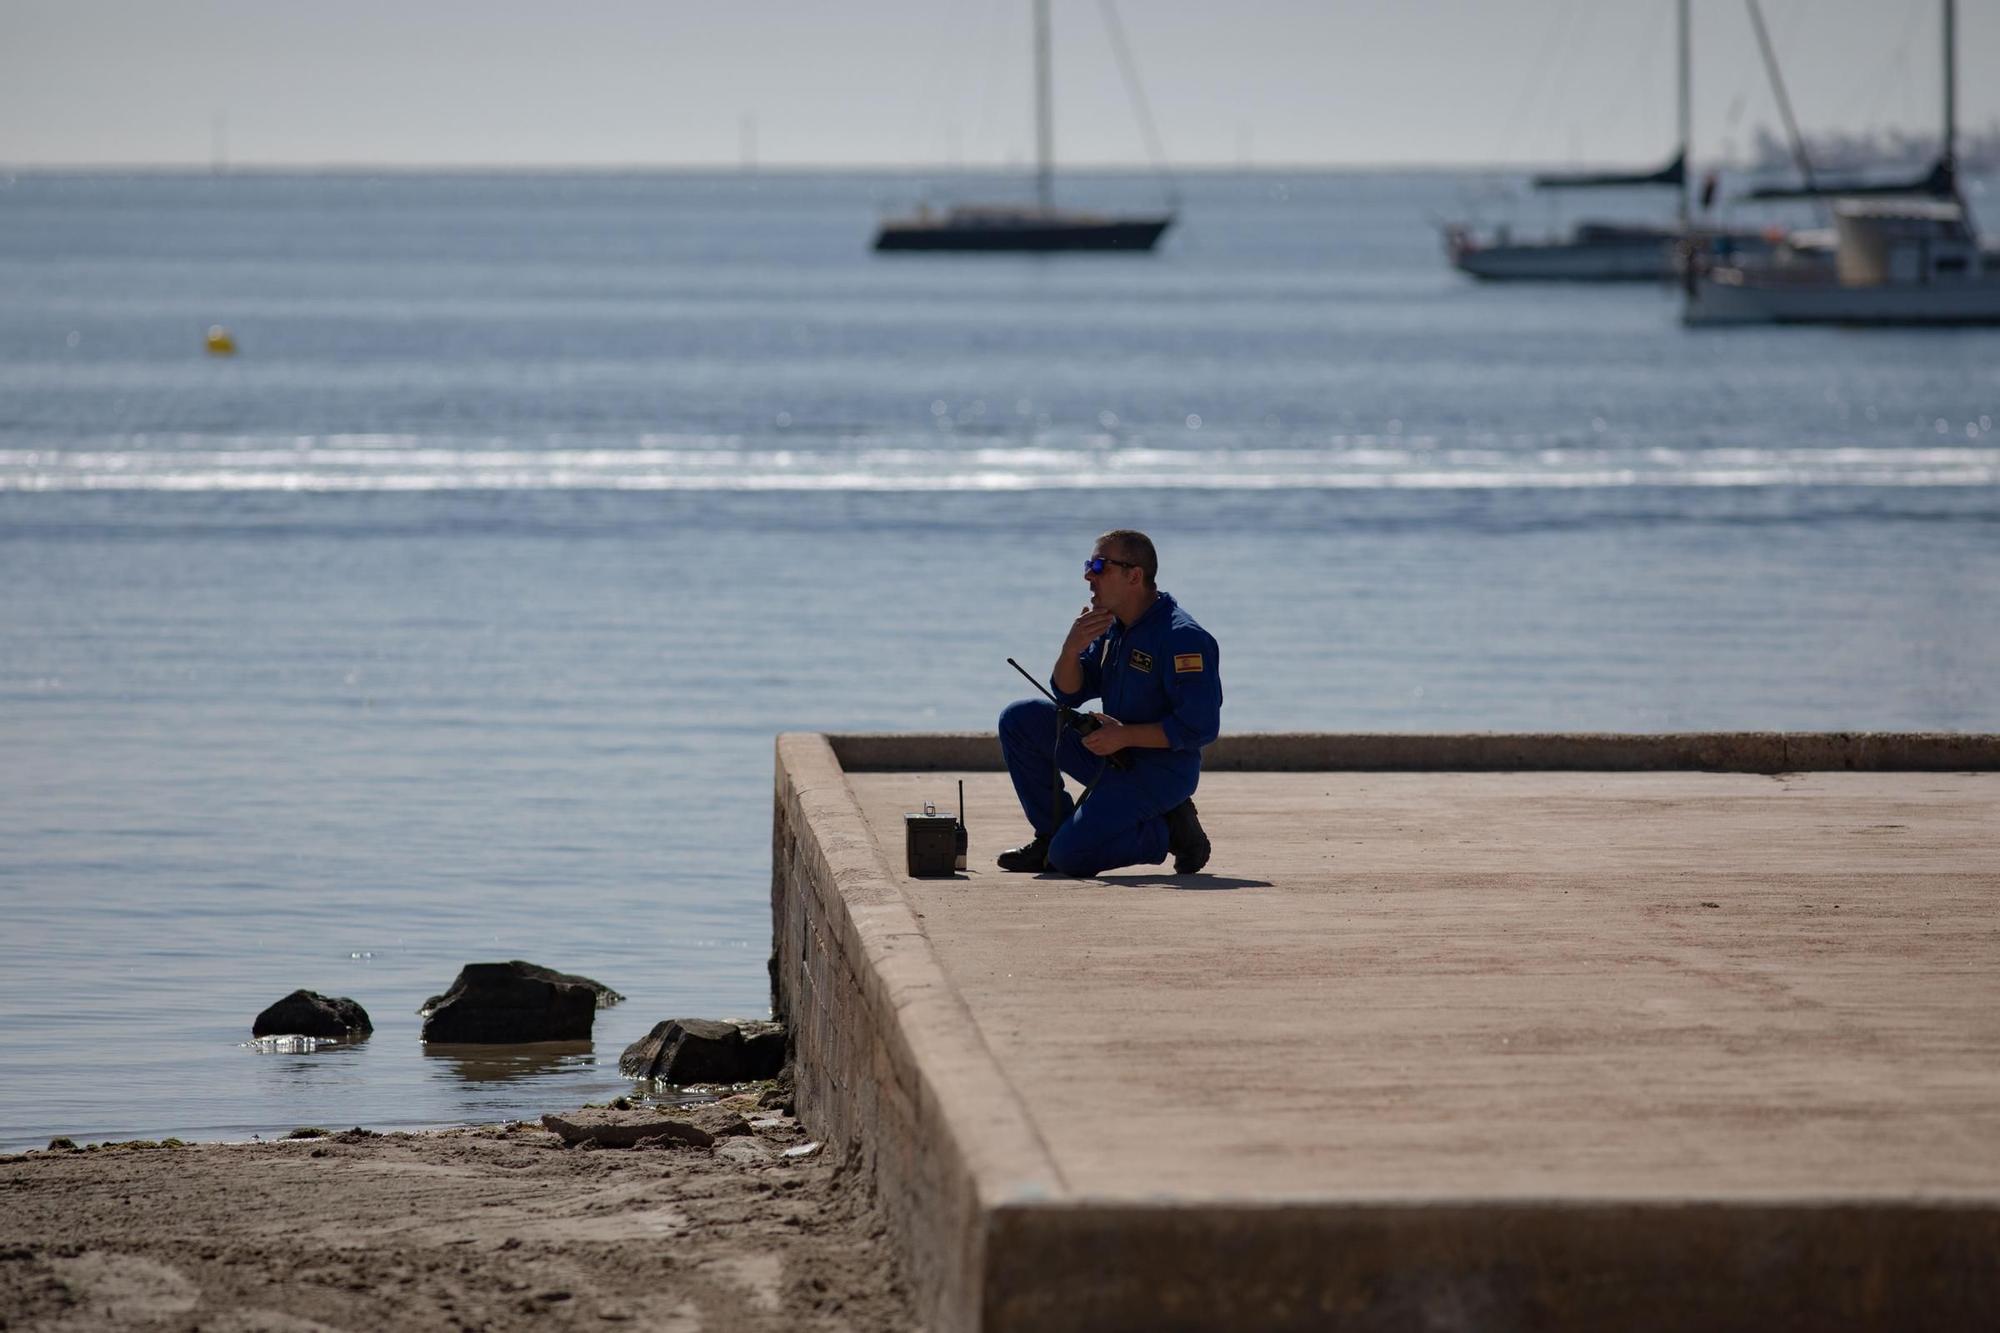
500,1227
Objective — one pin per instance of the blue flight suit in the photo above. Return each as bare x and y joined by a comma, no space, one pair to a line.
1165,668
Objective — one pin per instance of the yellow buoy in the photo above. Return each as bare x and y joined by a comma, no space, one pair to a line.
221,342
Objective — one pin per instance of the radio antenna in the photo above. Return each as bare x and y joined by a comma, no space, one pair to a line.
1066,716
1032,681
960,838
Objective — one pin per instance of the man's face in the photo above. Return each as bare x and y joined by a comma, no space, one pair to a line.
1118,587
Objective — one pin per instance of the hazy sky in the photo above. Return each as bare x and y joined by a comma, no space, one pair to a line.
623,82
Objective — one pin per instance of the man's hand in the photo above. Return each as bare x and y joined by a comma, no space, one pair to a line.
1087,626
1109,738
1068,672
1112,736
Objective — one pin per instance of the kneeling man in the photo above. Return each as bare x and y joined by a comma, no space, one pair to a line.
1159,676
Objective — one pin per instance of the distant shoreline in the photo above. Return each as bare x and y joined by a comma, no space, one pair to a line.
1977,162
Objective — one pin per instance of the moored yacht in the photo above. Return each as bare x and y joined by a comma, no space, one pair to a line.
1893,261
1037,227
1904,262
998,227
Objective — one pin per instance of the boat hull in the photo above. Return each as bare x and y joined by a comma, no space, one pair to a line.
1604,253
1561,261
1127,234
1910,304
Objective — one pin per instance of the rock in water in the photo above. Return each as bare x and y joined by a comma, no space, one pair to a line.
764,1044
701,1050
606,997
503,1003
306,1013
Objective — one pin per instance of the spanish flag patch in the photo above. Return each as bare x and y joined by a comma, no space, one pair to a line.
1187,662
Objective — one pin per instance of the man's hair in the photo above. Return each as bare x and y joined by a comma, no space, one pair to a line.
1136,547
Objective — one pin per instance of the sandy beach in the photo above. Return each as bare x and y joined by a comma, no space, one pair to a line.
495,1227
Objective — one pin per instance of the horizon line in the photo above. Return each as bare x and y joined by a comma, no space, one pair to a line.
719,168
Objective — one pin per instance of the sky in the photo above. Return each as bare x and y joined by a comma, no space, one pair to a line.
631,83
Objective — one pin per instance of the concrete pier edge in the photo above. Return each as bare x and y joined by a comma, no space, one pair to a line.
893,1069
890,1066
1479,752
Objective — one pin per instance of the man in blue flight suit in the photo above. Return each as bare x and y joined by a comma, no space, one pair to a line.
1158,673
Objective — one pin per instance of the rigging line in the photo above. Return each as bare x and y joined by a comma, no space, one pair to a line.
983,130
1554,102
1139,104
1528,90
943,80
1896,73
1644,67
1582,37
1643,71
1784,102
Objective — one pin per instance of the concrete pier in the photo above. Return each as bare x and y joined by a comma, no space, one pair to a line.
1528,1032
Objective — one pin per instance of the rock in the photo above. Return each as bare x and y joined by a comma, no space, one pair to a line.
719,1123
306,1013
624,1129
606,997
780,1096
701,1050
766,1047
498,1003
745,1151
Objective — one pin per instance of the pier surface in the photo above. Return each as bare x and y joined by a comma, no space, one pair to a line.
1468,1049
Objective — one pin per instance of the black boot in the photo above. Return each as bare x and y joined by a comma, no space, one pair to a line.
1186,840
1031,858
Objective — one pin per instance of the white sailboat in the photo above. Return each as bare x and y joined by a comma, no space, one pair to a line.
1037,227
1598,251
1911,260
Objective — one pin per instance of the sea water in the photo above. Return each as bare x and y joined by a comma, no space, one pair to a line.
452,618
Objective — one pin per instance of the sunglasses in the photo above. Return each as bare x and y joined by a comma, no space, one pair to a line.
1096,564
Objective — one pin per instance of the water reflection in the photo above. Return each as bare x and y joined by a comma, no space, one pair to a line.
470,1063
294,1044
297,1071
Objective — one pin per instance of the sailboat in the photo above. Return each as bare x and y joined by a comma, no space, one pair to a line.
1602,251
1037,227
1904,253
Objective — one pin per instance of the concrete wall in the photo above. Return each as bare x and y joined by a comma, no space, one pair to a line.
1484,1267
1292,752
879,1037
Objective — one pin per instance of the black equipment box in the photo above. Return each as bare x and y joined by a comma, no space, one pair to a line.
935,844
931,841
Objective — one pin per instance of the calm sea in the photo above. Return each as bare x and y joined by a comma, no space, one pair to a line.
452,619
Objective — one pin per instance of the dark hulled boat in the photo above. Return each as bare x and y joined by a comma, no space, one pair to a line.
1037,228
1022,229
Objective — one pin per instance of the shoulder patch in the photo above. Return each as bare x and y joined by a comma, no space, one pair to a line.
1141,660
1187,662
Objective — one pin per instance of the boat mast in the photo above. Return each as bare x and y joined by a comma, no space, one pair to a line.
1687,131
1045,151
1950,88
1951,116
